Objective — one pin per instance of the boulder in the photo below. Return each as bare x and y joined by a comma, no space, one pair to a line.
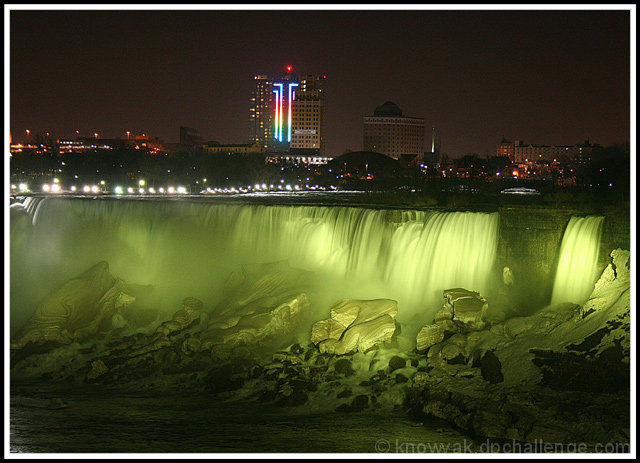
327,347
286,357
76,310
183,318
428,336
256,327
343,367
396,363
468,307
363,336
353,311
326,329
356,325
452,353
98,368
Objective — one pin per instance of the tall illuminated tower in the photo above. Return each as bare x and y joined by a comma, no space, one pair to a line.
260,111
308,117
284,90
287,113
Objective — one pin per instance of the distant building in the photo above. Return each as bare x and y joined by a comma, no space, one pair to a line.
308,117
506,149
189,138
390,133
578,153
261,111
290,158
214,147
88,144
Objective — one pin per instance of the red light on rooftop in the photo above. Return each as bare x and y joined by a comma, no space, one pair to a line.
289,68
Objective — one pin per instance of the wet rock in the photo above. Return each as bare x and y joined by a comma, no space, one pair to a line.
356,325
517,325
353,311
363,336
452,353
98,368
253,328
467,307
396,363
222,378
343,408
255,371
359,403
379,376
491,368
326,329
400,378
415,362
428,336
284,357
303,385
296,349
343,367
183,318
191,346
76,310
273,366
268,395
294,399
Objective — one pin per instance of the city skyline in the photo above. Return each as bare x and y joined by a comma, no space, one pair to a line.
541,76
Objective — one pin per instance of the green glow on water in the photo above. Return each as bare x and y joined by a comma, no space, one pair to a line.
189,248
577,264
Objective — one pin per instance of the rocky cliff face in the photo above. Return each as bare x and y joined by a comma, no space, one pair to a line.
559,375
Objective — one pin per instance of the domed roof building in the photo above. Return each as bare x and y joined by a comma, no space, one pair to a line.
388,109
392,134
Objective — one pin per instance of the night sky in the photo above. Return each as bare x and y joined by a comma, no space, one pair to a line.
542,76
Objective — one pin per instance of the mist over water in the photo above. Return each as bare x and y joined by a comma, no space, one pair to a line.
577,265
188,248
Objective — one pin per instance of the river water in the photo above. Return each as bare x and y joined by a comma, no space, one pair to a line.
117,422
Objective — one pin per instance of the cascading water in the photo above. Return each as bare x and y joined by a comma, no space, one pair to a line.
577,265
188,248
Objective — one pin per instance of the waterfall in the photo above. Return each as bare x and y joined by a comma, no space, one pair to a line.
577,264
188,248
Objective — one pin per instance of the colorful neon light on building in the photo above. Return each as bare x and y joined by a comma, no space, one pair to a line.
292,96
279,97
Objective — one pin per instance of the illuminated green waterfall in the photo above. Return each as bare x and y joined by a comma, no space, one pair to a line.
188,248
577,265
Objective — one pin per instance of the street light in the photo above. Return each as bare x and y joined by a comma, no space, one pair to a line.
95,134
28,132
128,134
